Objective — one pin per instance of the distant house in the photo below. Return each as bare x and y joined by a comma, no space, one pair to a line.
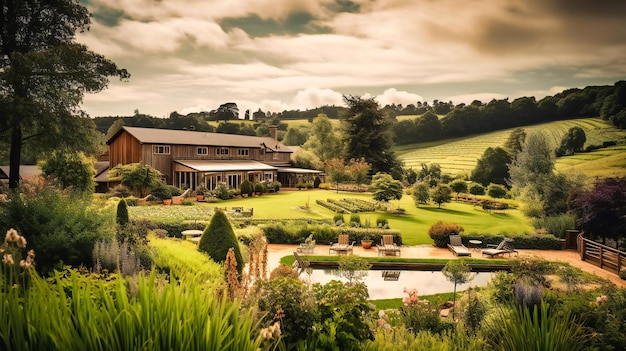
26,172
188,159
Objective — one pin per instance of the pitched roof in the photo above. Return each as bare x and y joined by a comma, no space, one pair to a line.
187,137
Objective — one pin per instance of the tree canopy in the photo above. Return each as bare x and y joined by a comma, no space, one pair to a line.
385,188
71,169
367,134
492,167
44,74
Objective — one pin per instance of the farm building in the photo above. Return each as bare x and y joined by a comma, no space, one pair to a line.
189,159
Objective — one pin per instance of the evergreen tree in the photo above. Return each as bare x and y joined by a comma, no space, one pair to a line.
492,167
218,237
367,134
122,218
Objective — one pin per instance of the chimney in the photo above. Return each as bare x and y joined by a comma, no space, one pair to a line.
274,132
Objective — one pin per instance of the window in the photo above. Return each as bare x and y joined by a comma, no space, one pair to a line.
203,150
242,152
221,151
161,149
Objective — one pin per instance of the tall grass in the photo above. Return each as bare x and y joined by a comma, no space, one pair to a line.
536,329
86,314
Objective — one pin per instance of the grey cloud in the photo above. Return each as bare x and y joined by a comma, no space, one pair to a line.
344,6
294,23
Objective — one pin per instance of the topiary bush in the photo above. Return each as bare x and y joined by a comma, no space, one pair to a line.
218,237
122,213
440,232
246,188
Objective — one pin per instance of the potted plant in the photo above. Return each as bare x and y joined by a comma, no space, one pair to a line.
163,193
200,192
366,242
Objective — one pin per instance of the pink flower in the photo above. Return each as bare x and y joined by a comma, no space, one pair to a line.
381,322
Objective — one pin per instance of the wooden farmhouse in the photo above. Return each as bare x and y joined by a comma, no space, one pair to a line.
189,159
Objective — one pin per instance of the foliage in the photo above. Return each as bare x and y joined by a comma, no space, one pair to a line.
71,169
601,210
259,188
477,189
353,268
336,171
535,159
572,142
538,329
441,194
74,311
492,167
141,179
45,74
367,134
295,233
557,225
288,301
324,143
122,214
60,225
457,272
440,232
218,237
418,316
459,186
221,192
355,220
344,316
472,309
358,170
496,191
385,188
515,141
246,187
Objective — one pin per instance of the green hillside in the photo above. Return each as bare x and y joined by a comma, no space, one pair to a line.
458,156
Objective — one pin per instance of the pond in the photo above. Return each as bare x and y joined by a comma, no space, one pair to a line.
426,282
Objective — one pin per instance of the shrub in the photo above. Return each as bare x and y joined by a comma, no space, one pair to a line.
246,188
222,193
338,217
276,186
120,191
60,225
316,182
355,220
496,191
289,302
440,232
122,213
259,188
162,192
218,237
325,186
283,271
382,222
556,225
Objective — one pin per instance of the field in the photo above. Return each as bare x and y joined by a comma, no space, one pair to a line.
458,156
301,204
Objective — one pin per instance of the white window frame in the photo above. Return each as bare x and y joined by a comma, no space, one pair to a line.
161,149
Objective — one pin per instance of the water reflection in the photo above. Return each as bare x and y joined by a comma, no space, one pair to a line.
426,283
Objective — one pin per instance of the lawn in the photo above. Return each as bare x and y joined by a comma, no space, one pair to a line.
413,225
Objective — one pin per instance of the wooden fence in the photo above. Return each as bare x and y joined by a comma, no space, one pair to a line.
603,256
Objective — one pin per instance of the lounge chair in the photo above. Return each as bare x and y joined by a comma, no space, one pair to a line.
387,246
300,265
505,246
457,247
342,245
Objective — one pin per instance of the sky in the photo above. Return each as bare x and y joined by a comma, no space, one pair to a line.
274,55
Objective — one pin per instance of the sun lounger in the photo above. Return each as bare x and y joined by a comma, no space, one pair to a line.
388,247
504,247
457,247
341,246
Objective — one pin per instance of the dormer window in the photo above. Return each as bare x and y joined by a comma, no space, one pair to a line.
203,150
161,149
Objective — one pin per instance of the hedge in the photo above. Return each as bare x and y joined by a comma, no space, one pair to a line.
278,233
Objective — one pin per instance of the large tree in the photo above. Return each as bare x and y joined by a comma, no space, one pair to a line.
492,167
323,142
44,74
367,134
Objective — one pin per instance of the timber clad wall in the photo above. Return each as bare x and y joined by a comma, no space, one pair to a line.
124,149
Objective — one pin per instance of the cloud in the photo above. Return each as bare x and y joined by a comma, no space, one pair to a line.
313,97
393,96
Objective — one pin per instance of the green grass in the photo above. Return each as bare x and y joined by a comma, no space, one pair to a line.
413,225
435,300
458,156
603,163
